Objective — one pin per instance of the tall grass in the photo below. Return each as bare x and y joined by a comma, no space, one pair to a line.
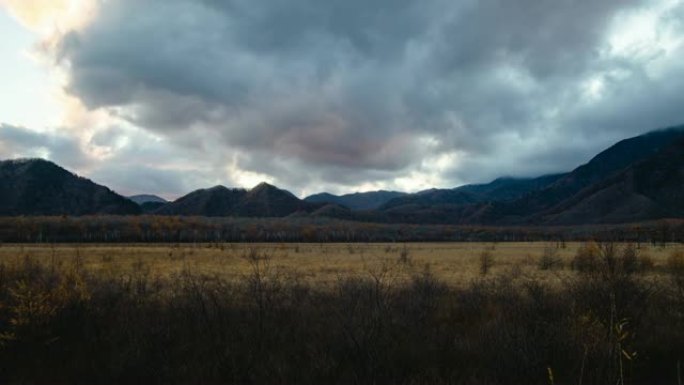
608,324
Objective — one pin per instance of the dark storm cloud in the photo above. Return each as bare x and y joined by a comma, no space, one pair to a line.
349,90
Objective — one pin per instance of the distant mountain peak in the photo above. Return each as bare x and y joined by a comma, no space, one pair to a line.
147,198
264,186
218,187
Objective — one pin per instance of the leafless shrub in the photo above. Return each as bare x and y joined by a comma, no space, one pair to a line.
587,258
675,262
486,261
404,255
550,259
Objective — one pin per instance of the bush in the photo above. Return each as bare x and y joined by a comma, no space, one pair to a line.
550,259
610,260
404,255
675,262
486,261
646,262
587,258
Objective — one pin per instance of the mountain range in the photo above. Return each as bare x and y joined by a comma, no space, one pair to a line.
637,179
263,200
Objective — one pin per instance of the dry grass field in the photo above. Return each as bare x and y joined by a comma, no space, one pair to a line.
456,264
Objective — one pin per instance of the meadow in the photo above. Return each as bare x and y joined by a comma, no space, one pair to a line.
455,264
312,313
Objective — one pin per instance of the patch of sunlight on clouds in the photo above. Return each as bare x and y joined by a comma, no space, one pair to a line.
34,93
51,16
430,174
594,87
244,178
646,33
370,186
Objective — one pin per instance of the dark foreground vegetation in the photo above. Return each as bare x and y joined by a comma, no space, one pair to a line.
615,321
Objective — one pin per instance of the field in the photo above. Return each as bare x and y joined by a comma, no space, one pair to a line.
309,313
456,264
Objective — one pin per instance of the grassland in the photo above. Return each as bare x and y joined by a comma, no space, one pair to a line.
456,264
419,313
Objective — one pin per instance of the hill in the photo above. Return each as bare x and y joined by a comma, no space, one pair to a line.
40,187
616,158
266,200
218,201
263,200
649,189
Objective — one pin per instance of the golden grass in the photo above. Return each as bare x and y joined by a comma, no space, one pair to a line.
456,264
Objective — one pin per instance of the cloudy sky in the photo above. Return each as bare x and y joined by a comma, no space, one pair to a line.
166,96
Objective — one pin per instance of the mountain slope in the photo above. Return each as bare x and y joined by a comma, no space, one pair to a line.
357,201
40,187
507,188
649,189
604,165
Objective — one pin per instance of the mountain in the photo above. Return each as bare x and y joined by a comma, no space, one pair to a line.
358,201
266,200
602,166
507,201
652,188
263,200
147,198
40,187
218,201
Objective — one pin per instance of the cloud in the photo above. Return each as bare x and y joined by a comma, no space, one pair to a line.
49,17
21,142
346,93
123,158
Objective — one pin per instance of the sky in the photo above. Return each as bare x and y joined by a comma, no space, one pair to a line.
168,96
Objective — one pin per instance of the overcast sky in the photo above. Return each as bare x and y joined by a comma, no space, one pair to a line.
167,96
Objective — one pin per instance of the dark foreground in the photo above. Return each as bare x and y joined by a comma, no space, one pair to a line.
610,323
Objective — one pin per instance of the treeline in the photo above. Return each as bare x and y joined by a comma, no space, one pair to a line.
608,323
104,229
